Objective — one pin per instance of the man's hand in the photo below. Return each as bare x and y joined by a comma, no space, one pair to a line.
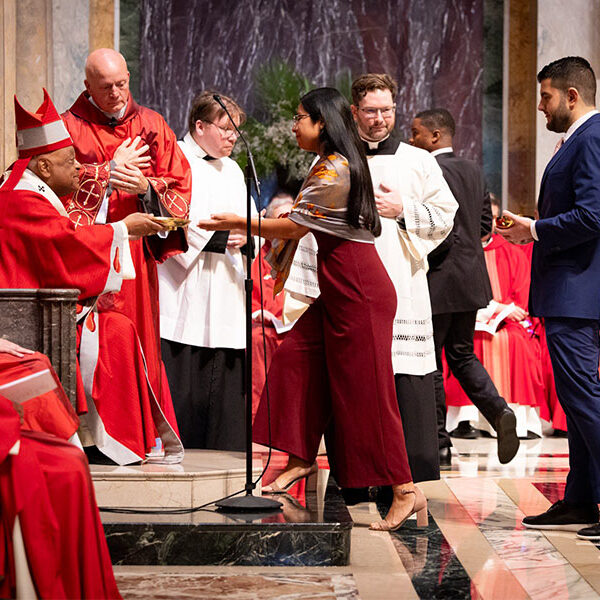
132,154
388,202
237,238
518,314
141,224
129,179
519,232
14,349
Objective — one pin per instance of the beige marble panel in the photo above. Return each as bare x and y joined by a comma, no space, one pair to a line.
132,493
102,24
8,27
34,51
564,29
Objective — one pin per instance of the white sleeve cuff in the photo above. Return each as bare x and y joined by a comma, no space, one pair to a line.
533,231
128,268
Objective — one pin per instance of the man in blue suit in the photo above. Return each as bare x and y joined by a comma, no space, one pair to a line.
565,281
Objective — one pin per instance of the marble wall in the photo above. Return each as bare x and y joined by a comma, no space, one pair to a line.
564,29
434,49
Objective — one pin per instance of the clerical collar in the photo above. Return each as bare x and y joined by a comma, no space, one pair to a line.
387,145
112,116
439,151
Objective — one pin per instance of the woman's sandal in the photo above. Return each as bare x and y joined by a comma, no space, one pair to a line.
275,488
419,507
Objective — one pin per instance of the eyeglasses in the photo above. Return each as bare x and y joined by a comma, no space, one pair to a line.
386,113
298,118
225,131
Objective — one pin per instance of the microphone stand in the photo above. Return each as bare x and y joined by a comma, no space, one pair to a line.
248,502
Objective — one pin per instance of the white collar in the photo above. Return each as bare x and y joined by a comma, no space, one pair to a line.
188,138
576,124
445,150
375,145
118,115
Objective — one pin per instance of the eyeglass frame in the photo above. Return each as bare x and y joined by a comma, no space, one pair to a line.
390,110
298,117
224,132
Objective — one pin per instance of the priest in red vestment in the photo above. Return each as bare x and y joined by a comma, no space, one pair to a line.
511,355
99,121
42,248
52,541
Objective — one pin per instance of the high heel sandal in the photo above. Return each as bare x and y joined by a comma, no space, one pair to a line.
419,507
275,488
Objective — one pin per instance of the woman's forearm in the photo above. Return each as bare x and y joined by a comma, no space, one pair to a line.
282,228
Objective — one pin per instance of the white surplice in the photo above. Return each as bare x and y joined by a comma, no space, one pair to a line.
202,293
404,243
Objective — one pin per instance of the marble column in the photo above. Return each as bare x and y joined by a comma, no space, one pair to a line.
564,29
8,22
519,103
70,20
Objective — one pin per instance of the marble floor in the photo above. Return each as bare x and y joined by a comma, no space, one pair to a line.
474,546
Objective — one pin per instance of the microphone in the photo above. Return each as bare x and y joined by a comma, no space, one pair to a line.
220,102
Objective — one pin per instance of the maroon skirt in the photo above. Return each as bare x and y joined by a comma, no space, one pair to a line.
333,373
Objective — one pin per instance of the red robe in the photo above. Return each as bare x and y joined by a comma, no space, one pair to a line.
42,248
512,356
274,305
169,176
47,485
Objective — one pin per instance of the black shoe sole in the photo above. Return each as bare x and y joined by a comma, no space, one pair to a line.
508,442
591,538
469,435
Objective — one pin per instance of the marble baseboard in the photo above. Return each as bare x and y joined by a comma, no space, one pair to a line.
307,532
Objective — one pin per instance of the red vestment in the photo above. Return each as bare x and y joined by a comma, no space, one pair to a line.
47,486
42,248
512,356
169,176
273,305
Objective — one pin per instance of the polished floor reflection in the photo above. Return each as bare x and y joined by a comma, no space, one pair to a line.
474,546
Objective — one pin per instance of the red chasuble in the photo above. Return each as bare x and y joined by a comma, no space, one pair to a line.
46,483
95,142
512,356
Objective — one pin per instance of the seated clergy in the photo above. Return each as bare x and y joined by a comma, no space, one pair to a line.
506,344
41,247
52,540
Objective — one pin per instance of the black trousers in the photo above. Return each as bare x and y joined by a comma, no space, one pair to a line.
453,333
207,386
416,401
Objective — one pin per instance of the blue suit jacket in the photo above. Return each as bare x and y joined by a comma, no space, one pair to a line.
565,272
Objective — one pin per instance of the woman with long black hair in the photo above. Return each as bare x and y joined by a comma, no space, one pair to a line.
333,371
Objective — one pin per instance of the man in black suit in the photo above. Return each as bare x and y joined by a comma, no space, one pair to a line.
459,285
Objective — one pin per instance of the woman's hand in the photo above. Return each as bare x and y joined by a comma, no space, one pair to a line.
223,222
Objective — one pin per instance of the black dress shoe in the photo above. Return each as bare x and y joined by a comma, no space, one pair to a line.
465,431
506,429
445,458
564,516
590,533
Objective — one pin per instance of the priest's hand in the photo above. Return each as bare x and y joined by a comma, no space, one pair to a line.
14,349
141,224
223,222
132,153
237,239
130,179
389,203
518,314
519,232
